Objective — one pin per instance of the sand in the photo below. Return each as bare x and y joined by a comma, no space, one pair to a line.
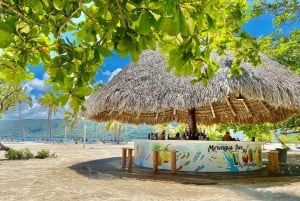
54,179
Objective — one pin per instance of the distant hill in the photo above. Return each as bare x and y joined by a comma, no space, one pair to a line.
38,129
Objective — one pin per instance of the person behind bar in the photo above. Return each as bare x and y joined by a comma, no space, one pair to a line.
227,136
177,136
162,136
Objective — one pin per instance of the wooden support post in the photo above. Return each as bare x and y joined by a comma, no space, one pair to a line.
155,162
129,159
273,162
124,156
173,161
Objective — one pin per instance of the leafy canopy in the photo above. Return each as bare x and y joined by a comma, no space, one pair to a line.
72,38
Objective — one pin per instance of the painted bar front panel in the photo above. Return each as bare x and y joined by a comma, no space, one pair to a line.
200,156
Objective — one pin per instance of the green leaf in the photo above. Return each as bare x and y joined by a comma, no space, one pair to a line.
170,8
37,7
105,52
29,76
23,27
170,25
58,4
63,99
41,40
35,59
74,102
175,60
154,5
6,35
188,68
68,82
59,75
130,7
183,24
210,22
83,91
79,53
124,44
145,23
235,69
151,43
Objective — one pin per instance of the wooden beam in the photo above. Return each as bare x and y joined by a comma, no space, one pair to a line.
231,108
265,107
212,111
246,106
138,115
174,111
156,116
121,112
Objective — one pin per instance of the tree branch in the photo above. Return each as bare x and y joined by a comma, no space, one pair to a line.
12,9
7,96
4,148
69,18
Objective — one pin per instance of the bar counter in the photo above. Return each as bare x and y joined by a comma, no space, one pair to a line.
200,156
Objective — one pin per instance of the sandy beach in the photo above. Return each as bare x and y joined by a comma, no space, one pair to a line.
56,178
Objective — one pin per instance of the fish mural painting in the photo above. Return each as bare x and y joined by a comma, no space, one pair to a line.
201,156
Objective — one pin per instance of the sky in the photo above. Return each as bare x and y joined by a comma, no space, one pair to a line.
261,26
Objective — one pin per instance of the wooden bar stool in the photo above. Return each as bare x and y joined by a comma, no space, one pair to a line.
129,166
273,162
124,157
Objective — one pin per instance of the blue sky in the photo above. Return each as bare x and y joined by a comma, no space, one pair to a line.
112,65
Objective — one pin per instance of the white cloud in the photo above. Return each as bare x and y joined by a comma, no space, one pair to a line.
106,73
34,112
38,84
115,72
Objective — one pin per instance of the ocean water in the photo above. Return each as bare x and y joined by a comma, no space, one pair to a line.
37,130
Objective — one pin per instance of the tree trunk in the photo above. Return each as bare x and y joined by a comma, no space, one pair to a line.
282,143
50,123
4,148
66,130
192,121
21,123
119,134
96,133
84,133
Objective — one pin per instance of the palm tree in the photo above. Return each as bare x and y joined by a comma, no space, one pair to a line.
23,98
71,120
48,100
115,127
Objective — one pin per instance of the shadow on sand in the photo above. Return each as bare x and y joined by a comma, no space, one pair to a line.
110,168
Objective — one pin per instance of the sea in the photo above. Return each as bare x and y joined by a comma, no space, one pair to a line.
38,130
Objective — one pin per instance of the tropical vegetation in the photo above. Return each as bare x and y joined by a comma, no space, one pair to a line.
71,39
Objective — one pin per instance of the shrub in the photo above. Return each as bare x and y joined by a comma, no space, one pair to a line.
42,154
27,154
13,154
18,154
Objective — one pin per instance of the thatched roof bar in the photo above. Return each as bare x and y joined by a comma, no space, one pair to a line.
144,92
212,111
230,107
265,107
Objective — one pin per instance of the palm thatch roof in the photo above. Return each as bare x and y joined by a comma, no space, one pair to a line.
144,92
